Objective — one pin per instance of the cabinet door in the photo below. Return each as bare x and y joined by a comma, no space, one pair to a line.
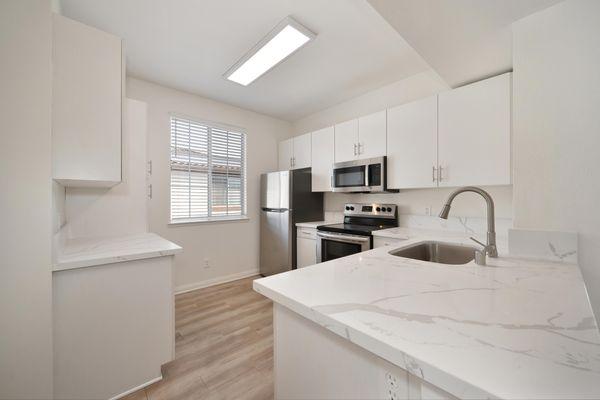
306,248
346,140
474,133
412,144
322,159
86,105
286,151
372,135
302,151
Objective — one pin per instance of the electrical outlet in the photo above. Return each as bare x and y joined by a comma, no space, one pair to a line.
393,389
206,263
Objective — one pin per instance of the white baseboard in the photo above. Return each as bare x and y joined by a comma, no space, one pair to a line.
215,281
135,389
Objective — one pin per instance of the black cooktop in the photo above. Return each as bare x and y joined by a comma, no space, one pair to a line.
352,229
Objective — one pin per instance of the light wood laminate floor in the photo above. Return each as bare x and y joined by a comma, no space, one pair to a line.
223,347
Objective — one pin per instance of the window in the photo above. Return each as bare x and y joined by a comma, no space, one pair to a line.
208,164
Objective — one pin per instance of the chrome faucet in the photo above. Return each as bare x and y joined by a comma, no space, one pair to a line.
489,248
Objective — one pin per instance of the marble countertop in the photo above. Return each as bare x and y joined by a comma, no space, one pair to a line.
513,329
406,233
87,252
313,224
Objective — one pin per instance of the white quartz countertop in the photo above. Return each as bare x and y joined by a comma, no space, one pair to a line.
514,329
313,224
87,252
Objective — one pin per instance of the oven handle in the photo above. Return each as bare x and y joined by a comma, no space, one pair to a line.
344,238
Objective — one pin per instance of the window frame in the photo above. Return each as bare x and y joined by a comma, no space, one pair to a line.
244,200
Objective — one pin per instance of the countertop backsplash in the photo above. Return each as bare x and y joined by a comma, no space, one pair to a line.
468,225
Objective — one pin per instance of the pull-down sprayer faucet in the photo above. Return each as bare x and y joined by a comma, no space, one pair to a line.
490,248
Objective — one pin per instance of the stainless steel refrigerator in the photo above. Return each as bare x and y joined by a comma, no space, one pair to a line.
286,198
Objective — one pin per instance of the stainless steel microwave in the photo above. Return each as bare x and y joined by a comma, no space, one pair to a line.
367,175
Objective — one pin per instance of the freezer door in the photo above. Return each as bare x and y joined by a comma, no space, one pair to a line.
274,190
275,241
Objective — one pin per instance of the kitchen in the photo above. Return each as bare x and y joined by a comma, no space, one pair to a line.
399,204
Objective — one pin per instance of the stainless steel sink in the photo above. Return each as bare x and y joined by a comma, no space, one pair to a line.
437,252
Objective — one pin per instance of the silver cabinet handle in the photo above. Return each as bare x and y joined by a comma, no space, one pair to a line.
440,176
355,149
433,170
359,146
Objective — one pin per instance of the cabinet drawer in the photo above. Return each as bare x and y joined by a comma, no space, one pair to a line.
307,233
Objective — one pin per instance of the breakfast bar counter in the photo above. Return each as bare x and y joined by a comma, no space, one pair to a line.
512,329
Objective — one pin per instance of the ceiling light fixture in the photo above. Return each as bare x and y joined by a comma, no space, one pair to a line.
283,41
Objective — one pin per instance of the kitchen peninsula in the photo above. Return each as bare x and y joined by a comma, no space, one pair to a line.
415,329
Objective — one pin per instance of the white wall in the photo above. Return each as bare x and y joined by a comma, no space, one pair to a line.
413,201
230,247
26,200
557,128
403,91
120,210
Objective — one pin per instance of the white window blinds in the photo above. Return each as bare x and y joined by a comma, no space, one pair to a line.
208,178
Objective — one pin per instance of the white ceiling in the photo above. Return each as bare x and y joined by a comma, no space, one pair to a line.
462,40
189,44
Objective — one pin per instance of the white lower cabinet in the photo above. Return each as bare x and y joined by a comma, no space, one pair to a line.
113,327
418,389
306,247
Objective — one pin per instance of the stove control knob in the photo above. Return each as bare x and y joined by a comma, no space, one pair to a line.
351,208
378,209
347,208
389,209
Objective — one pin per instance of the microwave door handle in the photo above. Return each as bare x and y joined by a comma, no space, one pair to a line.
367,175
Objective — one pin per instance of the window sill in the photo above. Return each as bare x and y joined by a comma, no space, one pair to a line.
209,220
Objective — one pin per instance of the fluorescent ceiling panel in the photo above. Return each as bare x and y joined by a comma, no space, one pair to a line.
287,37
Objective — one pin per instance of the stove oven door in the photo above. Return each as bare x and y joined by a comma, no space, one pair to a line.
335,245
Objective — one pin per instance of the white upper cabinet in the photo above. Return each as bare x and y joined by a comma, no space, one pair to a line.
412,144
346,141
86,105
286,154
294,153
364,137
372,135
474,133
323,149
302,151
